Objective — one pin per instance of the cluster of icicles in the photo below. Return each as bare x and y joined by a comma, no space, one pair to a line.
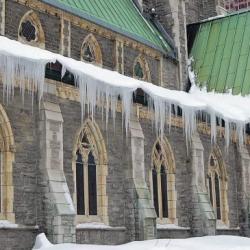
26,65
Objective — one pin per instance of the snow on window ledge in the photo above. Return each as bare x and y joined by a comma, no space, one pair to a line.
5,224
170,226
97,225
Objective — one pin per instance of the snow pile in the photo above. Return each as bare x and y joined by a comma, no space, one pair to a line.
26,65
205,243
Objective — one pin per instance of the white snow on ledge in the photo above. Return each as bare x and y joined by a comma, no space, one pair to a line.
93,225
7,224
27,64
204,243
171,226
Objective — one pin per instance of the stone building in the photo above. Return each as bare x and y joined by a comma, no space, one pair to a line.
85,182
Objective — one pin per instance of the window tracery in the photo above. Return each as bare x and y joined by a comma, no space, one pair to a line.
163,182
91,51
217,186
30,30
90,171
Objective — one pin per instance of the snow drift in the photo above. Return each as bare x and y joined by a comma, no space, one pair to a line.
25,65
204,243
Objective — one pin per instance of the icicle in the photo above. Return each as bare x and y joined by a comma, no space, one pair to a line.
29,74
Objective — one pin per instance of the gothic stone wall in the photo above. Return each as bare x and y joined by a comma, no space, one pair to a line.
28,207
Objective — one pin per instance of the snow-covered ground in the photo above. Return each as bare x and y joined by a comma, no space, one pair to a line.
199,243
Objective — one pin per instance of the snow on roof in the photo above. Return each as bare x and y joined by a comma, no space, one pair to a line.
205,243
27,64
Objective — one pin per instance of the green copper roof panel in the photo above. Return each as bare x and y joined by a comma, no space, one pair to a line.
122,16
221,53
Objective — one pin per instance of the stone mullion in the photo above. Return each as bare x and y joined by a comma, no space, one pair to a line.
159,193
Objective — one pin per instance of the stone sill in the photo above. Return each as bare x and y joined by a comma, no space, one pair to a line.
19,228
100,229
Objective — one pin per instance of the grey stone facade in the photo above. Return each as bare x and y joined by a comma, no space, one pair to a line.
43,175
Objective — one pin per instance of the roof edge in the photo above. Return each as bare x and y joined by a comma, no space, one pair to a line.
104,24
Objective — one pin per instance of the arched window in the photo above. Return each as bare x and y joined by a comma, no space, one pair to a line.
217,185
30,30
141,69
163,182
90,169
6,160
91,51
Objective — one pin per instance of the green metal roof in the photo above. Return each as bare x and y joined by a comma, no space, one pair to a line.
221,54
121,16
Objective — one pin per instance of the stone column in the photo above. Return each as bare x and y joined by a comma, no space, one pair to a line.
65,45
59,209
146,211
203,221
119,56
244,191
2,17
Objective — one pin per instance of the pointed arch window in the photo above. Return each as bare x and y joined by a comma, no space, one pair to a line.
90,169
6,161
217,187
91,50
86,178
163,182
30,30
141,69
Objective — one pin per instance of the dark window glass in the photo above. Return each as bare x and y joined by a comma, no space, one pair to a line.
155,191
53,71
164,192
140,97
138,70
217,192
28,31
80,185
212,161
210,189
88,54
92,185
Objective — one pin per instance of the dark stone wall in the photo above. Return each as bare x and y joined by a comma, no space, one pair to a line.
130,55
17,239
199,10
50,24
107,46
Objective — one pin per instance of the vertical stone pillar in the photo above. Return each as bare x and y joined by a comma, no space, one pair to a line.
203,221
65,45
119,56
146,211
2,17
59,209
244,191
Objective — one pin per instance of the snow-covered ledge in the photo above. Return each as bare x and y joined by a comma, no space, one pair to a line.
27,64
5,224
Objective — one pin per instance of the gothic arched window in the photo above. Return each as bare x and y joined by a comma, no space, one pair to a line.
141,69
217,186
86,178
30,30
90,169
163,182
91,51
6,160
